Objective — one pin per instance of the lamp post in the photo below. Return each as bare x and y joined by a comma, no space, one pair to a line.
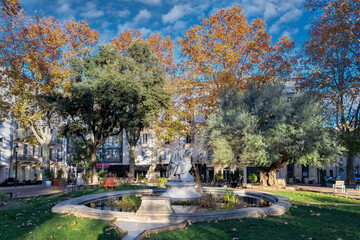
102,160
16,149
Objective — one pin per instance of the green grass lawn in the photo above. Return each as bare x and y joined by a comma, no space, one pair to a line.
332,221
33,219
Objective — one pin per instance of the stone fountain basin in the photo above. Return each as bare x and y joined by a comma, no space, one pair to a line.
76,206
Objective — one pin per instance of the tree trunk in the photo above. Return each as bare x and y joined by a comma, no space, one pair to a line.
322,177
132,152
350,177
197,179
268,177
94,169
45,161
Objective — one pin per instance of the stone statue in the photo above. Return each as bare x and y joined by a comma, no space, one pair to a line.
180,164
180,185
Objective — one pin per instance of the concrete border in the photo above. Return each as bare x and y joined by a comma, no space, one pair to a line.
75,206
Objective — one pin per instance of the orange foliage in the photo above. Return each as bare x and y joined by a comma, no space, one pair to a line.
225,50
163,48
10,7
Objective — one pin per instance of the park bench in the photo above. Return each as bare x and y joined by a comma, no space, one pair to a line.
110,182
339,185
58,184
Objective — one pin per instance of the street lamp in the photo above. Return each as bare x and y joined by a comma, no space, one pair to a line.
16,149
102,160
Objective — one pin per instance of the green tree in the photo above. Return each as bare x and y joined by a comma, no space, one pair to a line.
263,128
99,99
149,85
81,153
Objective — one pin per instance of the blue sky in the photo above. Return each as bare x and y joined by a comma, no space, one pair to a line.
173,17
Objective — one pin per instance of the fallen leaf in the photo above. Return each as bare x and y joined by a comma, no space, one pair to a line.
74,223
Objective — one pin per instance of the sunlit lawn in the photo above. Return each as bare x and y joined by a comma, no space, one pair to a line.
304,221
33,219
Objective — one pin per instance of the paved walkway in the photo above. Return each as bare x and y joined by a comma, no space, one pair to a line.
135,229
351,192
30,191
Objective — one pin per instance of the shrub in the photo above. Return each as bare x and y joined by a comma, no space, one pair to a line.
230,197
253,178
130,202
87,176
102,174
207,201
59,173
218,176
3,197
48,174
162,181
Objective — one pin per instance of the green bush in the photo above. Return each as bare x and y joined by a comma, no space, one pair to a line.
230,197
102,174
162,181
218,176
252,178
59,173
130,202
3,197
48,174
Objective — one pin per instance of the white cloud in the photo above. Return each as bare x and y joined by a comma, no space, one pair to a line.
65,9
150,2
125,26
143,15
270,11
91,11
145,32
290,32
123,13
292,15
179,25
176,13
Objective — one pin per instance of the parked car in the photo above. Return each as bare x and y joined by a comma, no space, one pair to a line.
357,177
330,180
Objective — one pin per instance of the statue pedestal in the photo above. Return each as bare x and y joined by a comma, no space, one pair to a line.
181,191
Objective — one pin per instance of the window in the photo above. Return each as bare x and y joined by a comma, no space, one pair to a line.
331,173
33,151
25,149
41,151
51,153
145,138
188,138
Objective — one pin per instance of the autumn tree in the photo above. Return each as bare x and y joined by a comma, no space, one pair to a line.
332,68
10,7
226,50
34,54
262,128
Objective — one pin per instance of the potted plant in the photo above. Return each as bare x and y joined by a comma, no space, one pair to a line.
48,175
35,177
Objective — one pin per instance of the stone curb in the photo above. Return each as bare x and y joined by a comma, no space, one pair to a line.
280,206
